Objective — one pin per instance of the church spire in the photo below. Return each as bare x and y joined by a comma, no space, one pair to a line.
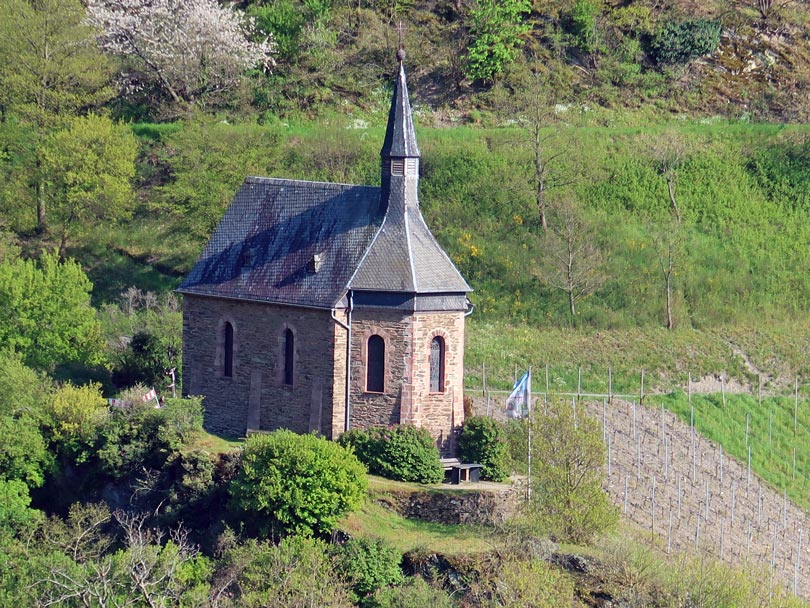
400,136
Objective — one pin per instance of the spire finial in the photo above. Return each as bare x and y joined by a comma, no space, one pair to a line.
401,42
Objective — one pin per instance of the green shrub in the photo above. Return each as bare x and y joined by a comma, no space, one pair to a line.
681,42
368,565
416,594
296,483
140,435
482,441
568,453
496,30
583,25
402,452
295,572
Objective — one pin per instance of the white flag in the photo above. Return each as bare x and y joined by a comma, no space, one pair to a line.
518,404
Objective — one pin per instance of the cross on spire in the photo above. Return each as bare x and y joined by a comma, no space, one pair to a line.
400,34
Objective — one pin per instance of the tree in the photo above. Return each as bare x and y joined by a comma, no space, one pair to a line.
15,514
144,362
189,51
50,69
496,27
297,483
668,243
89,167
76,413
567,497
572,261
529,95
45,313
668,152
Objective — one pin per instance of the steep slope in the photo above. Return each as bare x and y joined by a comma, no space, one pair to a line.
670,480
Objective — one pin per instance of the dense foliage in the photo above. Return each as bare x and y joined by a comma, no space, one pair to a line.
483,441
370,565
297,483
681,42
45,313
567,498
402,452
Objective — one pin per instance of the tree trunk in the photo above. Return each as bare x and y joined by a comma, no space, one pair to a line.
672,202
42,223
571,303
669,300
539,174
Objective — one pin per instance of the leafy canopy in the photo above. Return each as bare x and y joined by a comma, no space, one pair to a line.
50,67
88,168
567,497
45,313
297,483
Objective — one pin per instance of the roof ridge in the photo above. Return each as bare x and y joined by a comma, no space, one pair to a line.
410,250
301,182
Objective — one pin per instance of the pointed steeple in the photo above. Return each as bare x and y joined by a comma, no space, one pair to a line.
404,256
400,136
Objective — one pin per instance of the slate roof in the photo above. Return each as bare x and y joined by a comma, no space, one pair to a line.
365,238
400,135
281,225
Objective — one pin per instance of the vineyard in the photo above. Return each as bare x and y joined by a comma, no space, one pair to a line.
690,493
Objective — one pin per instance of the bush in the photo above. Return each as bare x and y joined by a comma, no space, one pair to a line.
402,453
681,42
297,483
368,565
139,435
416,594
482,441
567,495
295,572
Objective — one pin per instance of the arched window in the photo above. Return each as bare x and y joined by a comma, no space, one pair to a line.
289,356
437,365
227,361
375,365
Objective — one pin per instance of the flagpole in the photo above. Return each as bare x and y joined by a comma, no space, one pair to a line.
529,410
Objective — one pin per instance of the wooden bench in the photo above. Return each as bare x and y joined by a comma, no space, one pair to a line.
465,473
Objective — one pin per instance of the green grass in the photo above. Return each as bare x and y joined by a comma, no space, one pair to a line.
213,443
771,435
780,350
375,520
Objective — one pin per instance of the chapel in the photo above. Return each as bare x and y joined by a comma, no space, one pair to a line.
322,307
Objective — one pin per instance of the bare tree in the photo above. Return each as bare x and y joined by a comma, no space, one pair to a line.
668,152
572,261
146,572
528,97
668,243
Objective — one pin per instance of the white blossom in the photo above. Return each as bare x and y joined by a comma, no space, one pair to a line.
186,48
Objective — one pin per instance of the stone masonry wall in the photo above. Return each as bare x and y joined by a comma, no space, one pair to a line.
407,397
443,412
255,397
379,409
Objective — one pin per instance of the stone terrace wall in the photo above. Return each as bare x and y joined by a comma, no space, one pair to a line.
462,507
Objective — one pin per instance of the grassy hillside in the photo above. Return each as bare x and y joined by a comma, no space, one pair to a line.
739,254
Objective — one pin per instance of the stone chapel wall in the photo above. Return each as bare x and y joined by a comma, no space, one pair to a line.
407,398
255,397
